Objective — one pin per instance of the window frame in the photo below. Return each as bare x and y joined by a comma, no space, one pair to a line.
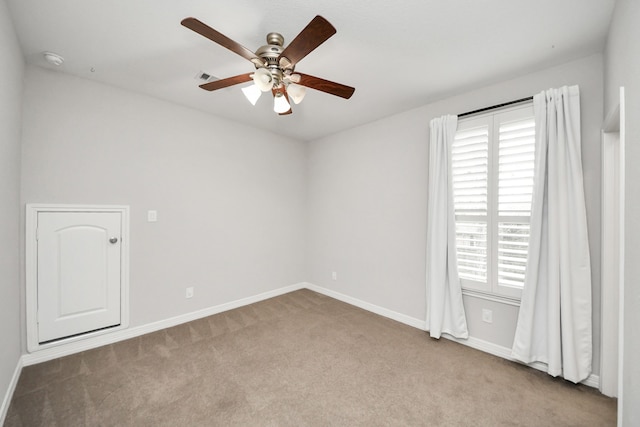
493,120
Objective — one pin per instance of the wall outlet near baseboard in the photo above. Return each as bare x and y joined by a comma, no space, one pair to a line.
334,275
487,315
189,292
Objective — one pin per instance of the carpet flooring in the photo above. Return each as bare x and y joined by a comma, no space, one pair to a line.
301,359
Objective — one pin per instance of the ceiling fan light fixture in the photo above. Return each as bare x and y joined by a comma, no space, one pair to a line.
296,92
252,93
263,79
280,104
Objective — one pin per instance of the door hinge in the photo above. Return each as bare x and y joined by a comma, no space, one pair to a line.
37,233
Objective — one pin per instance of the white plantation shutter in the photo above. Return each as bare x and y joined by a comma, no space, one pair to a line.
492,176
470,161
515,187
470,167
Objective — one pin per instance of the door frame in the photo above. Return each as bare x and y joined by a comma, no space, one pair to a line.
31,271
612,252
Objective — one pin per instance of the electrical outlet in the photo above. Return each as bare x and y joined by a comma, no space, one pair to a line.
487,315
152,216
189,292
334,275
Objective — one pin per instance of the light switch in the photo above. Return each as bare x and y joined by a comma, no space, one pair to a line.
152,216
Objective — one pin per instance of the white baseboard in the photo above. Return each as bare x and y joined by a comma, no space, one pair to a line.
399,317
65,349
10,390
592,380
505,352
78,346
478,344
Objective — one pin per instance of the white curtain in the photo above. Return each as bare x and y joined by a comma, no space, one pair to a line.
554,323
445,312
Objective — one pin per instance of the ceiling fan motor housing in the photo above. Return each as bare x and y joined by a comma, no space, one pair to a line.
270,54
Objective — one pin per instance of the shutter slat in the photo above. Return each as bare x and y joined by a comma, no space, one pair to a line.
469,184
524,166
505,282
512,259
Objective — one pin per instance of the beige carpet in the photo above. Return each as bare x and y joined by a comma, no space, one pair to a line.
301,359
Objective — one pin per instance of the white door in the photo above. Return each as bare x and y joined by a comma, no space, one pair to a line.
78,272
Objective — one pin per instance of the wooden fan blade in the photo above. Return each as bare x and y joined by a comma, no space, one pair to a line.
326,86
312,36
229,81
217,37
284,93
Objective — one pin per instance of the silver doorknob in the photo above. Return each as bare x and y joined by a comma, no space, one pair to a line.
113,240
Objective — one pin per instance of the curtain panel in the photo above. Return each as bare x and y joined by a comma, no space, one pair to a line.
445,311
554,322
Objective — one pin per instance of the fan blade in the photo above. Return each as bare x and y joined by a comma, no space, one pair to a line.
312,36
326,86
217,37
284,93
229,81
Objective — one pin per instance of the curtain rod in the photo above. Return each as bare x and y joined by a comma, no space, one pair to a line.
493,107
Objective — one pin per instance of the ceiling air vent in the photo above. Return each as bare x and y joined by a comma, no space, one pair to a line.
206,77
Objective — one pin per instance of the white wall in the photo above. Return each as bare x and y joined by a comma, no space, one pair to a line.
622,68
230,198
11,73
368,201
233,202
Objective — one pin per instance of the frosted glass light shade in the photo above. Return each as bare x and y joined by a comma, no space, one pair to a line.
280,104
296,92
252,93
263,79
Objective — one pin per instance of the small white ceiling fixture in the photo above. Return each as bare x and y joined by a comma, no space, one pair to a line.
53,58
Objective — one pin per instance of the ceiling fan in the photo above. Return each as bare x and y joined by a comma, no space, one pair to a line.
275,64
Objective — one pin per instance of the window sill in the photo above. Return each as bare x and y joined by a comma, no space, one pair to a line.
491,297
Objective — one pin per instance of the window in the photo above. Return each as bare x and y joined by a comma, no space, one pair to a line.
492,168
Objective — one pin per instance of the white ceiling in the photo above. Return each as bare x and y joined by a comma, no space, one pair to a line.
398,55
